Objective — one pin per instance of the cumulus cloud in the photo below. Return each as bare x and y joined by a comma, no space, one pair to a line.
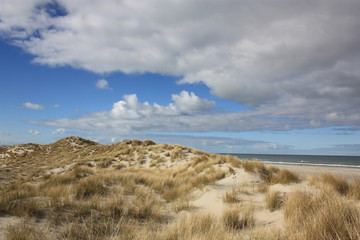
34,132
184,103
102,84
284,59
59,131
34,106
189,102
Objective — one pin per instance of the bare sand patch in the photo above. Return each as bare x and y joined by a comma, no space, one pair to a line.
303,171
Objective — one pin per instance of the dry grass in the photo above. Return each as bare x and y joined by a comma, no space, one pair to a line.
231,196
182,204
146,205
93,199
104,163
239,217
262,187
273,200
234,161
270,174
177,154
354,189
194,226
89,187
93,227
284,177
323,215
26,230
18,200
94,203
351,188
252,166
268,233
339,184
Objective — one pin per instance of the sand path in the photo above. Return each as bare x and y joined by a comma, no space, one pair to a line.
210,198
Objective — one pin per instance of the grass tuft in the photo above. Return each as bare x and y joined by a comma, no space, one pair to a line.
239,217
25,230
252,166
89,187
273,200
354,189
284,177
339,184
231,196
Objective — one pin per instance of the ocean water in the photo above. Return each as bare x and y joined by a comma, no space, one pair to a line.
305,160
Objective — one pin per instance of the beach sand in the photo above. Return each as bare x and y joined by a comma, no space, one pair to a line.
302,171
210,198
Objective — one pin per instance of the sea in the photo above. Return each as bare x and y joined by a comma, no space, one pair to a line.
305,160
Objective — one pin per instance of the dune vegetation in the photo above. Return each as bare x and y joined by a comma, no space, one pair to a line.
78,189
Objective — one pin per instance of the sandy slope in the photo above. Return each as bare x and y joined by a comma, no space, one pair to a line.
210,199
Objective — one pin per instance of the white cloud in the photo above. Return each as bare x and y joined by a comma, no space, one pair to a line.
59,131
34,106
287,60
34,132
56,105
184,103
189,102
102,84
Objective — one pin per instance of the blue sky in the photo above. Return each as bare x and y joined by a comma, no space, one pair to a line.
239,76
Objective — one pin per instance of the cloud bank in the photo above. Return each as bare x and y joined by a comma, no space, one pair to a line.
190,113
295,64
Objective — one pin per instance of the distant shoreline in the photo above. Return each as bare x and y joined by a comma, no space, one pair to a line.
322,161
342,166
348,173
313,165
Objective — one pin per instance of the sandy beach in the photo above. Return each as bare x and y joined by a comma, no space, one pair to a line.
302,171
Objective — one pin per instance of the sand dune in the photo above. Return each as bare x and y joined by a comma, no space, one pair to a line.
79,189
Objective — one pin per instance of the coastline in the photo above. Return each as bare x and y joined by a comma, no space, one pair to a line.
302,170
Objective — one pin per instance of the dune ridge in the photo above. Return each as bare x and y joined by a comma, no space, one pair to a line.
78,189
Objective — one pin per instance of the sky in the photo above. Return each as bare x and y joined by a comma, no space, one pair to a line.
261,76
